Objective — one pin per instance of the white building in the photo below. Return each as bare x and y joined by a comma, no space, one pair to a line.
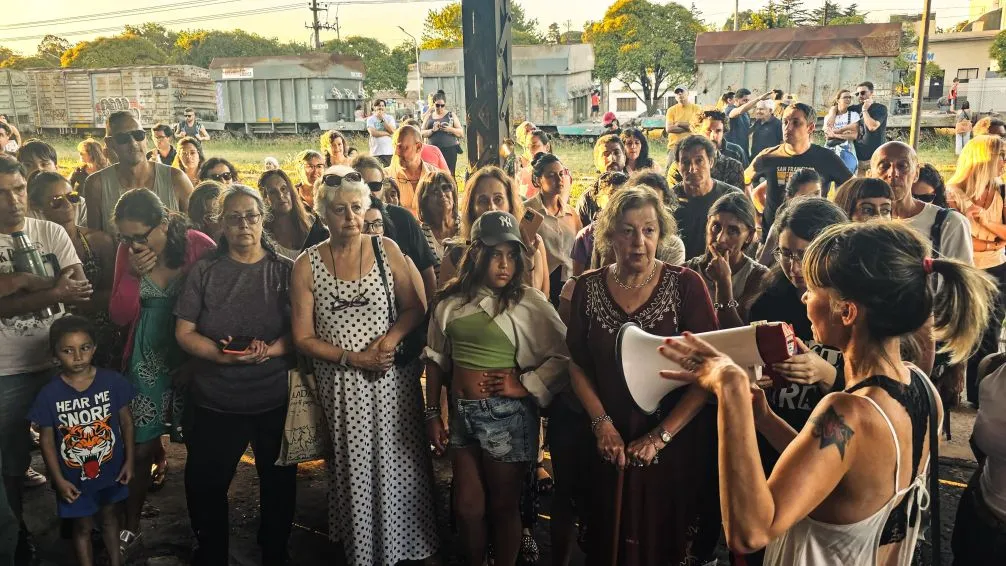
626,105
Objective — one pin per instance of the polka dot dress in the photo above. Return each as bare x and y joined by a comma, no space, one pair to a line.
380,476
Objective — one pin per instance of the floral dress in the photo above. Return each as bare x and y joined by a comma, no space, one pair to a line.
154,357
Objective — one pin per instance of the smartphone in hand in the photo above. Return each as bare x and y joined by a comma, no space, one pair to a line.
238,345
529,225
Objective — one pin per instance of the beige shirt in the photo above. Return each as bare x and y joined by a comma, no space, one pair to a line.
407,186
558,233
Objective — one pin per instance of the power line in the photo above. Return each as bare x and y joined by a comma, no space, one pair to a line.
192,19
117,14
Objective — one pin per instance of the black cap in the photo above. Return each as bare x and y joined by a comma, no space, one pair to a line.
494,228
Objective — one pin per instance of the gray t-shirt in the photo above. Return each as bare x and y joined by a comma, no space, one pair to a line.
226,298
691,215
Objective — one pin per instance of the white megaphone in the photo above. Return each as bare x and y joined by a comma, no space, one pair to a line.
752,347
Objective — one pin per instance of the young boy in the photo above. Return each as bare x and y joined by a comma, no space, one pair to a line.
87,437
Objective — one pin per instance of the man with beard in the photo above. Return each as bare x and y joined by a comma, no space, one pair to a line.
696,192
164,145
770,171
609,158
26,362
128,141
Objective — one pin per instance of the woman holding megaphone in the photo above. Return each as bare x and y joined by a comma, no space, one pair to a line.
653,480
849,481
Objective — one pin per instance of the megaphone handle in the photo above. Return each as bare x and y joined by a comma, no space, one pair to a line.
617,524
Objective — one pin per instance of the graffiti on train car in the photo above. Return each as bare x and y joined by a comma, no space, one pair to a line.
49,112
109,104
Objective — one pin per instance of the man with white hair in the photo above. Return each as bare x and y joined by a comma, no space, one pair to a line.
408,167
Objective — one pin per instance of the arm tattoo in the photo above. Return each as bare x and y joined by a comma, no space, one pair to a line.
831,429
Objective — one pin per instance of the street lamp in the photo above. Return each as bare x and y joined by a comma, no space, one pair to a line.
419,77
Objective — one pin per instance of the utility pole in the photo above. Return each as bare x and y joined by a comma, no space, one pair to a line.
920,78
317,26
737,24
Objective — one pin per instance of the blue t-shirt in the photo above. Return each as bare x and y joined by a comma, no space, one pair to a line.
89,439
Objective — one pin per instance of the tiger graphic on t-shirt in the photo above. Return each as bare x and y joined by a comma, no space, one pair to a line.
87,447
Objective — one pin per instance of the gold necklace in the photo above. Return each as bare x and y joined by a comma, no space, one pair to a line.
614,273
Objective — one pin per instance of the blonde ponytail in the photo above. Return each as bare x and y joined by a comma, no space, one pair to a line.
961,307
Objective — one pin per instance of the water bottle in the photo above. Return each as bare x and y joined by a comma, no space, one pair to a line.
27,259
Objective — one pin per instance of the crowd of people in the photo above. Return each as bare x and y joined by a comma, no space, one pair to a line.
481,323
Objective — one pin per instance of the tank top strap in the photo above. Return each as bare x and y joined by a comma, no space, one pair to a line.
897,445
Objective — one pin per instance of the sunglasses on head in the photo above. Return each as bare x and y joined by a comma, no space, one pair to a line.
123,138
225,176
333,180
59,201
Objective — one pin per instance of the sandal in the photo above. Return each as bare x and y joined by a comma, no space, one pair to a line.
127,541
543,480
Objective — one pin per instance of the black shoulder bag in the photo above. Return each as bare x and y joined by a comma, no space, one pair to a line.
412,345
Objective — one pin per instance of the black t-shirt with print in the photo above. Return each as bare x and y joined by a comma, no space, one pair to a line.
794,403
776,165
692,213
868,141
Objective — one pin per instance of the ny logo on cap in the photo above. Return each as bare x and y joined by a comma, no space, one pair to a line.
505,221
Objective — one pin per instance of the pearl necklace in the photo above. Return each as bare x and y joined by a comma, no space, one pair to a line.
614,273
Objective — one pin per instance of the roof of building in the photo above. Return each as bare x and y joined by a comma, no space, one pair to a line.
313,61
963,36
859,40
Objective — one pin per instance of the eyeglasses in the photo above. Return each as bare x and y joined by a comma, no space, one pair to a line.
338,304
373,227
190,115
236,220
862,93
123,138
59,201
141,239
847,97
440,105
225,176
788,256
333,180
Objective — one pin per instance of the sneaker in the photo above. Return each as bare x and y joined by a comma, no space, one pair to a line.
33,478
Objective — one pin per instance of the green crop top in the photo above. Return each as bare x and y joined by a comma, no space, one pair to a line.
478,343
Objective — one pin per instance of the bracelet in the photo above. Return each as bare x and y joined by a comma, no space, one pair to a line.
731,304
431,413
594,423
344,358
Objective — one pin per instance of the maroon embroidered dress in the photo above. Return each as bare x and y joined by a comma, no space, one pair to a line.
670,510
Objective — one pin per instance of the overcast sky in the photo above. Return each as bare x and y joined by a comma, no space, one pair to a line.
77,20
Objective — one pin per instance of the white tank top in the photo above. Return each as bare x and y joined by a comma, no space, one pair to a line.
814,543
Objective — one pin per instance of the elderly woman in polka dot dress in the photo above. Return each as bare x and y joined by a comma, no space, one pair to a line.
353,303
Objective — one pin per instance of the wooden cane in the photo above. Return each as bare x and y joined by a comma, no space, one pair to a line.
619,485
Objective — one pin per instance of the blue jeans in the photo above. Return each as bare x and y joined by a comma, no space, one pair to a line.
507,429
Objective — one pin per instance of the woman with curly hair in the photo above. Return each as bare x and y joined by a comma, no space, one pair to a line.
336,149
156,250
189,158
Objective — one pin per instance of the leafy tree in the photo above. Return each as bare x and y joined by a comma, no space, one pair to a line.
120,51
998,51
831,14
199,47
794,12
5,54
387,69
156,33
571,36
442,27
553,35
34,62
51,49
648,46
910,44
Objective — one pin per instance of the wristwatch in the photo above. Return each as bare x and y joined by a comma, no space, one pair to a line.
665,436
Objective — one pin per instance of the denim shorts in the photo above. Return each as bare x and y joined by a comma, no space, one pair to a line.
91,501
505,428
17,394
